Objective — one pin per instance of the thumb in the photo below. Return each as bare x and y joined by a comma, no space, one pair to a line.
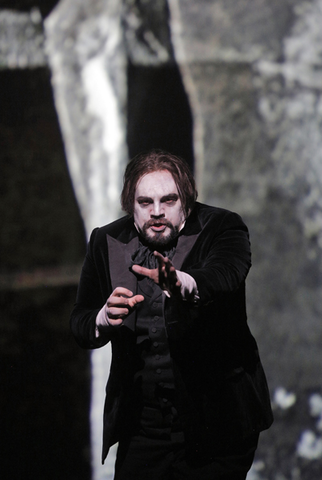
135,300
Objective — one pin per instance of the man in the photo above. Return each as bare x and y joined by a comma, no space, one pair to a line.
186,396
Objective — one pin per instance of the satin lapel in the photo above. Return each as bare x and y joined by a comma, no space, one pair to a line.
119,260
184,246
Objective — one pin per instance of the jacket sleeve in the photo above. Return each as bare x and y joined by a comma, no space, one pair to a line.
91,296
223,257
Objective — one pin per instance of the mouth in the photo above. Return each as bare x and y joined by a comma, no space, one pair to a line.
158,227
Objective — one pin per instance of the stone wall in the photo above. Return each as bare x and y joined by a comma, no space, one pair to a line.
253,74
248,117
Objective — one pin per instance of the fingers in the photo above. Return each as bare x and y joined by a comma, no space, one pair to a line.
165,265
159,257
146,272
115,323
135,300
168,279
121,291
120,303
165,275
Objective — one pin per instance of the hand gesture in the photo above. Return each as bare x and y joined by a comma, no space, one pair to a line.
119,304
164,275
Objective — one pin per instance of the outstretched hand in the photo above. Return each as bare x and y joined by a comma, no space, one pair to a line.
164,275
120,304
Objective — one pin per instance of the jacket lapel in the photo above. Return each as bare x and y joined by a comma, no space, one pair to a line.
187,239
184,246
121,276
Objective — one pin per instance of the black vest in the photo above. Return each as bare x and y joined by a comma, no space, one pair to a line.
154,373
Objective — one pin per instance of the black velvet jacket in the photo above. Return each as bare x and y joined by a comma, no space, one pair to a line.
221,391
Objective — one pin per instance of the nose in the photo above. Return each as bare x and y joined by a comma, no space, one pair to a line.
157,211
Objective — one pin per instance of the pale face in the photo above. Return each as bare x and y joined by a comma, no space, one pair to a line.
158,213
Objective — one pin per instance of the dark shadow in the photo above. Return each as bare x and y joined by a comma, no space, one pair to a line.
45,377
45,395
45,6
159,114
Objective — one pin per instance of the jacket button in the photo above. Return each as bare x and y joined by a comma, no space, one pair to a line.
155,344
158,370
153,330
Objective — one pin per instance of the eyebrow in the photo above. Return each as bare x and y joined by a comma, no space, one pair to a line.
170,196
165,198
144,199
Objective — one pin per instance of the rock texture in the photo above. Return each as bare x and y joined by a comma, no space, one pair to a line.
21,39
87,56
252,72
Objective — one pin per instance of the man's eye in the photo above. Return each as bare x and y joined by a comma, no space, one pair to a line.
170,201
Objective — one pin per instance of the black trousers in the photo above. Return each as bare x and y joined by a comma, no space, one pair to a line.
144,458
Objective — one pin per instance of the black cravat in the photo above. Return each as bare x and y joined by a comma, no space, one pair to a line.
144,256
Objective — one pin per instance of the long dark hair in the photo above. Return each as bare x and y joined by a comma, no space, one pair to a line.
153,161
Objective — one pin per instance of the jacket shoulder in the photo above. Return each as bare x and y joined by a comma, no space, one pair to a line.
122,227
209,215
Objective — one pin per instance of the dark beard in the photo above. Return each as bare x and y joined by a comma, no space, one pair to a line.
158,240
